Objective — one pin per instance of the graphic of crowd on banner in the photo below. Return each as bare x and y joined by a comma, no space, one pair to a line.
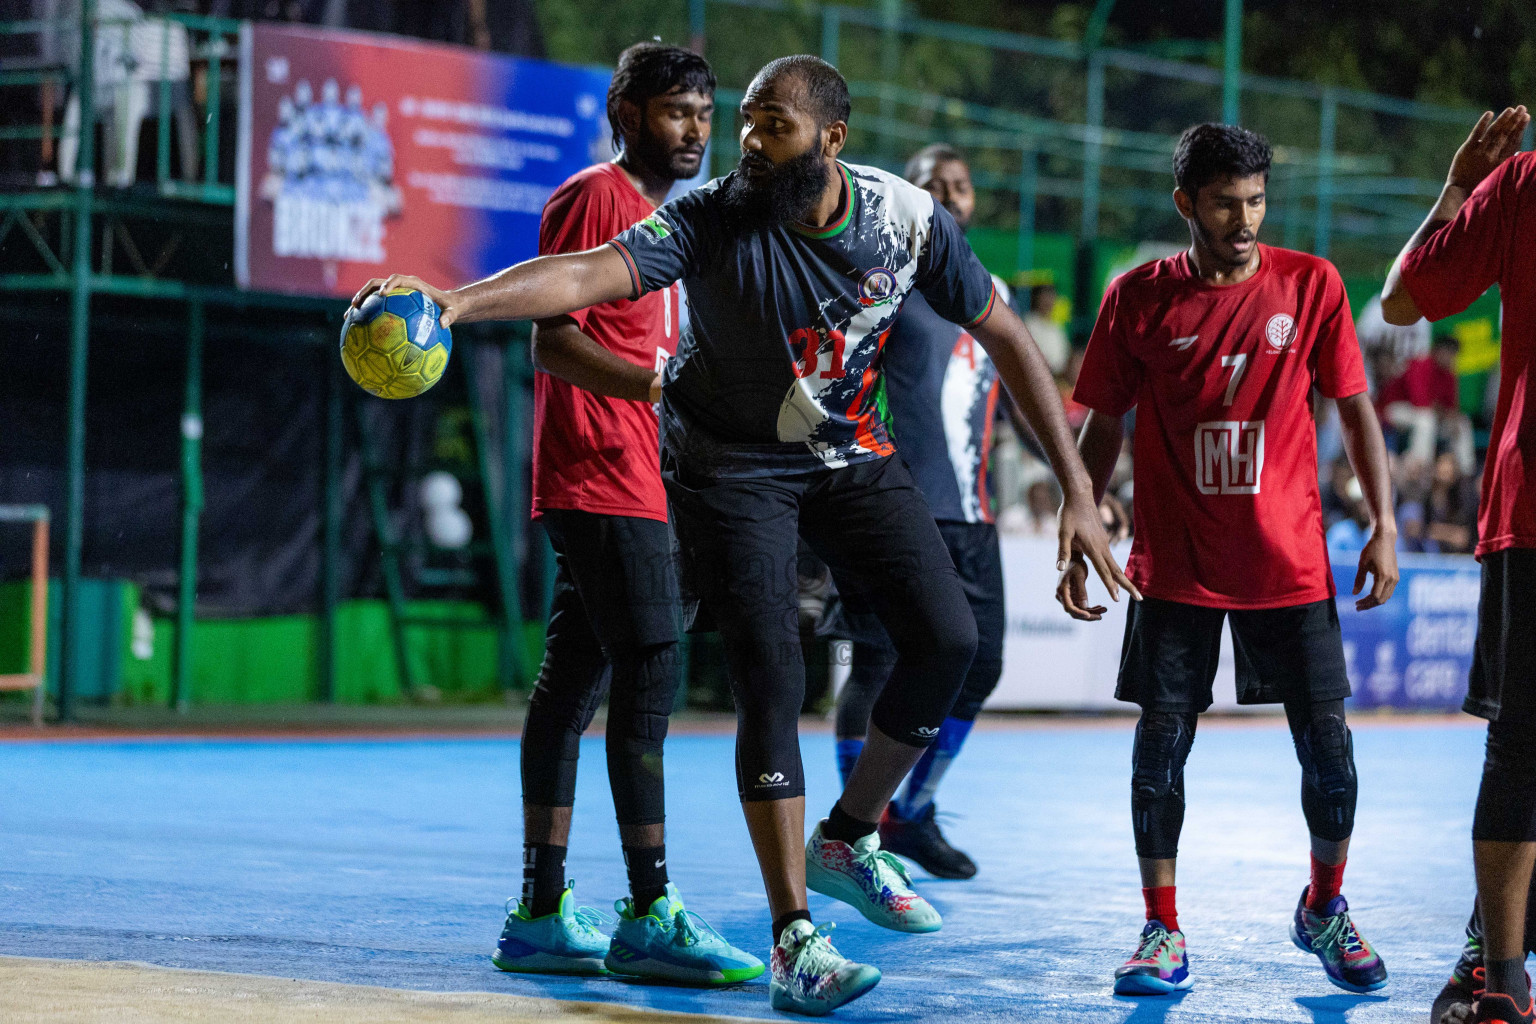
330,175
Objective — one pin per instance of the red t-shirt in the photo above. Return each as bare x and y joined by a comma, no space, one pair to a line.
1492,240
592,453
1227,508
1424,383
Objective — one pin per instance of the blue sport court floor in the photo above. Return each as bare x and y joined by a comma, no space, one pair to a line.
386,862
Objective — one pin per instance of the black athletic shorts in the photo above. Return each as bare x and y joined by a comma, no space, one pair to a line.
978,558
1168,662
1502,684
615,581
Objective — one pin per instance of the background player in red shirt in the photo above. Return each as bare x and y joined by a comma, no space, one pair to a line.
1482,232
1219,348
613,618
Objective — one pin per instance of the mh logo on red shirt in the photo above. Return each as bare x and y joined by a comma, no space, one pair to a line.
1229,456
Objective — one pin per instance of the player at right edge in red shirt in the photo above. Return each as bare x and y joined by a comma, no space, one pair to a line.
1218,349
1482,232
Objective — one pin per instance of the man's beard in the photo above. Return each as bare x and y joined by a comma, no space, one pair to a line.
1216,245
654,155
784,193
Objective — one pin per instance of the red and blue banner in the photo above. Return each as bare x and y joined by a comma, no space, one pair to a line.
362,154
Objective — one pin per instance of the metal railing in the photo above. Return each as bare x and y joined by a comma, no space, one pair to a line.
209,48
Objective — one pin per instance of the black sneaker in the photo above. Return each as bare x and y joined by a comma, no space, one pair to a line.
1497,1008
921,841
1454,1003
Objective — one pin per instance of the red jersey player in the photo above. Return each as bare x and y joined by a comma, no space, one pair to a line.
1218,349
613,618
1482,232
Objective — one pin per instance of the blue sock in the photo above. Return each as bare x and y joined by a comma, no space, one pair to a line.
847,754
915,797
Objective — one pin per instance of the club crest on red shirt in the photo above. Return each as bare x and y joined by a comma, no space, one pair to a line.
1279,331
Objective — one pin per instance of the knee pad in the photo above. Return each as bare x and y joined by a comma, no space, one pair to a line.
1329,786
1506,800
1163,741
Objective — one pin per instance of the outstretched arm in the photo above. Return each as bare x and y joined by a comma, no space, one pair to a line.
1028,378
1493,140
538,288
1368,455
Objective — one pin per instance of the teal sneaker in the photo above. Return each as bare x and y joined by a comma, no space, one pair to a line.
810,976
569,941
672,943
869,880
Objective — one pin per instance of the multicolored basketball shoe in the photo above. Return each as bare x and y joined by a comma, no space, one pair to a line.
810,976
569,941
1454,1003
673,943
1498,1008
1332,937
869,880
1159,966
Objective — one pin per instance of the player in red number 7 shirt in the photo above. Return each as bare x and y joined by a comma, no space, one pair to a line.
1482,232
1218,349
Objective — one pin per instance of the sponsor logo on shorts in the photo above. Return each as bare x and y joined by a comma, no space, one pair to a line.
772,779
1280,331
927,733
877,287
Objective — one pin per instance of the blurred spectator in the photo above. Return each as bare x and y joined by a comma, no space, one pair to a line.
1450,509
1423,402
1350,532
1067,382
1048,333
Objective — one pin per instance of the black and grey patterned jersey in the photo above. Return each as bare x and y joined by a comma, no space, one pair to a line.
941,391
780,365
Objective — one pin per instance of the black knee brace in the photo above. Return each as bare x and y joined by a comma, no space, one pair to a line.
639,706
1163,739
1506,801
1326,750
935,638
980,681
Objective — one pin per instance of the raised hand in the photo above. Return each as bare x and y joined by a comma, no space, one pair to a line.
1493,140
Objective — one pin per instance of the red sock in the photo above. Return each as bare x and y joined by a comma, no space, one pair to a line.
1326,880
1160,905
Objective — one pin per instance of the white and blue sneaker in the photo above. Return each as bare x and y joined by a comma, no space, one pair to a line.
672,943
810,976
569,941
868,879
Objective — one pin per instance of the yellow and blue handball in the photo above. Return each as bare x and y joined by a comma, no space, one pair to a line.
393,345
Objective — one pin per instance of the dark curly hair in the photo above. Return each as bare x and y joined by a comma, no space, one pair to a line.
1210,152
648,70
825,87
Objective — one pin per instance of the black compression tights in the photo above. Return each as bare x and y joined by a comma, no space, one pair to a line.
1163,739
1506,801
644,683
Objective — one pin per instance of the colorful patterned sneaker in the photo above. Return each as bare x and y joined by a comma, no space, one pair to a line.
810,976
673,943
1332,937
920,840
569,941
869,880
1498,1008
1159,966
